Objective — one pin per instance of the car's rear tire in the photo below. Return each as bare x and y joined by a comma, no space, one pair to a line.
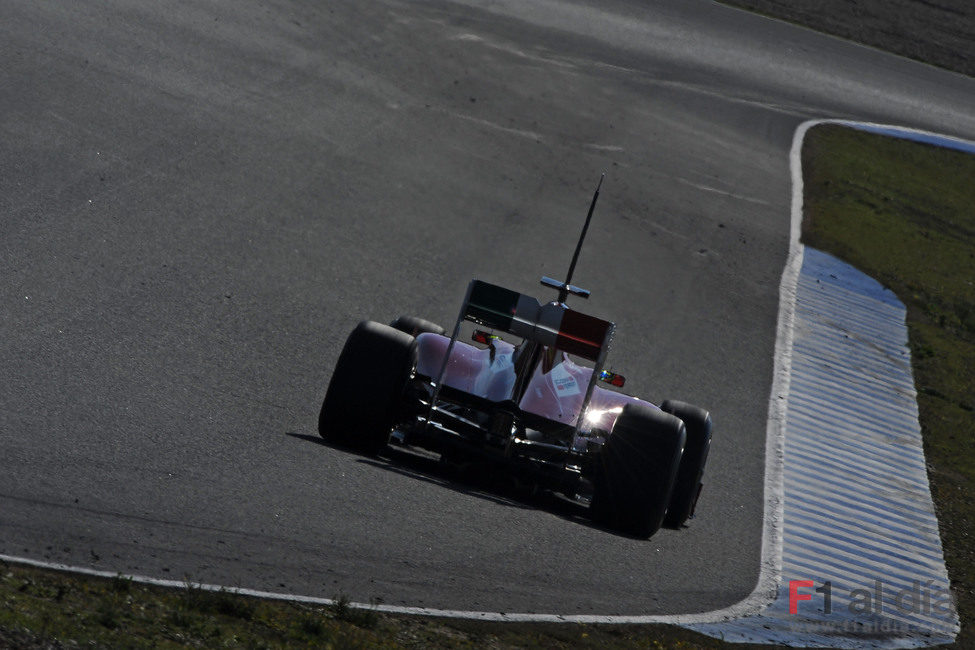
364,395
687,487
415,326
636,469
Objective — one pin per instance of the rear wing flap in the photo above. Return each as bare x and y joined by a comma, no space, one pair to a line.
552,324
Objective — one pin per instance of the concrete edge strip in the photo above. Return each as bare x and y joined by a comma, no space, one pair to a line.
767,587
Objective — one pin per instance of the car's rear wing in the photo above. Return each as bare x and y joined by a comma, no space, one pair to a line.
552,324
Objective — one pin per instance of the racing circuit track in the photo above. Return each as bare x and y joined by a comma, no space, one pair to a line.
199,203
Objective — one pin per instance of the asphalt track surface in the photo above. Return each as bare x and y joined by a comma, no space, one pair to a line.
198,201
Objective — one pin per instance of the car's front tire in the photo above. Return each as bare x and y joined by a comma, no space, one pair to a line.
364,394
635,472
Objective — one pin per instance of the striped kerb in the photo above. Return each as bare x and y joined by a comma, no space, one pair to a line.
551,324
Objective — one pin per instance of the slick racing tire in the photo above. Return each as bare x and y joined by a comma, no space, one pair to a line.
687,487
635,472
415,326
364,395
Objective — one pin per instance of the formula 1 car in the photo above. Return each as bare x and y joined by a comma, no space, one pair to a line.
525,398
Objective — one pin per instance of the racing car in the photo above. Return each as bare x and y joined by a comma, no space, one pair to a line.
527,393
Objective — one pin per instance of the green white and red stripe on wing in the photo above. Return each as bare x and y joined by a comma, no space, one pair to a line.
551,324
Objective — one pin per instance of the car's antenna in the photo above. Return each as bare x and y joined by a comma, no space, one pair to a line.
575,256
564,287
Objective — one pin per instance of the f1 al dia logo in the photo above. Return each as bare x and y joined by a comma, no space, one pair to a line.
919,598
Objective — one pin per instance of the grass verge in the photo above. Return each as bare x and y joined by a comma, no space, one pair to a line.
904,213
46,609
900,211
